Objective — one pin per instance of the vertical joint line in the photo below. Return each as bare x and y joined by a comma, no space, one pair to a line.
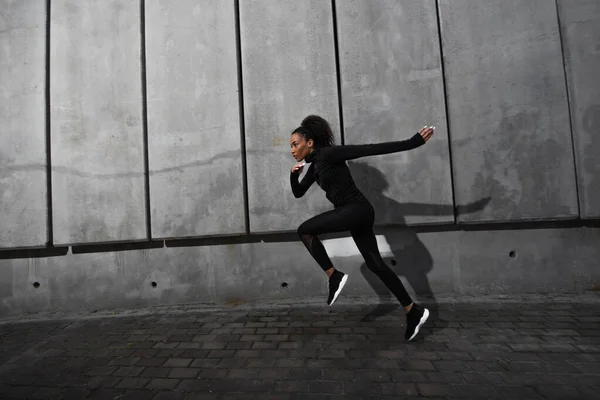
49,218
145,117
337,71
562,53
238,38
452,186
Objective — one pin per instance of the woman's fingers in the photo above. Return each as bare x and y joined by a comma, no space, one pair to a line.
426,132
298,167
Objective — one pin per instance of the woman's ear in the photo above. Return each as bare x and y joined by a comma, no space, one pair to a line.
310,143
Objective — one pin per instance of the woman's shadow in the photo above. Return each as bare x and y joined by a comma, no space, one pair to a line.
410,258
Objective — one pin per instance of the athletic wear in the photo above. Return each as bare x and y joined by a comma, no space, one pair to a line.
352,211
336,284
415,318
329,170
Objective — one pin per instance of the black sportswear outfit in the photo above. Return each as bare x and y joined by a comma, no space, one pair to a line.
352,211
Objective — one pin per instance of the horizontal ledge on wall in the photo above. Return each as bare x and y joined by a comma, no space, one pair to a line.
225,240
34,253
526,224
108,247
291,236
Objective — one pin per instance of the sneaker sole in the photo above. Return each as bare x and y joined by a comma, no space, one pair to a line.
421,322
342,283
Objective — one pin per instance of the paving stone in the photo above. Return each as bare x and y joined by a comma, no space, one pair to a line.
445,377
558,392
436,389
162,384
171,395
479,390
183,373
132,383
517,392
325,387
155,372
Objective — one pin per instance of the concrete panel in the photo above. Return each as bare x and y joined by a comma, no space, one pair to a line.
580,25
528,261
289,72
508,112
267,270
23,195
96,122
392,85
194,144
108,280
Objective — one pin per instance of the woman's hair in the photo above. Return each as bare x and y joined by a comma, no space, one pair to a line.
316,128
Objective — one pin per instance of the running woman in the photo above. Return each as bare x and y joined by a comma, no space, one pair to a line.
313,142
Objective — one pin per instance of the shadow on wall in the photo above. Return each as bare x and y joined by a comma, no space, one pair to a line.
410,259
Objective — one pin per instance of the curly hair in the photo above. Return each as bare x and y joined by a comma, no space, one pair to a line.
316,128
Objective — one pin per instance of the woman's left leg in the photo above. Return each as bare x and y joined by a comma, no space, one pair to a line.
367,245
344,218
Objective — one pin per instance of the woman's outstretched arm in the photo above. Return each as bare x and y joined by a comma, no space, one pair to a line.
350,152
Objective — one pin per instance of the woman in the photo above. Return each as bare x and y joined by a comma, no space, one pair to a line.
313,143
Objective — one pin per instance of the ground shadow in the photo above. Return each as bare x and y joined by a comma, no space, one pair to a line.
410,258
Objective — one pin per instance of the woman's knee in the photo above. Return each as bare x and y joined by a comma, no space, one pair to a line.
302,230
377,265
305,229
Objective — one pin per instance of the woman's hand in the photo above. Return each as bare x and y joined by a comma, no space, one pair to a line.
427,132
298,167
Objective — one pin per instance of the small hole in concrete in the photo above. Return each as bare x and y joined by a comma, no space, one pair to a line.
512,254
36,285
284,284
154,284
393,262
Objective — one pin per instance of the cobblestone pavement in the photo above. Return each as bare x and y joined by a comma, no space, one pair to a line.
493,351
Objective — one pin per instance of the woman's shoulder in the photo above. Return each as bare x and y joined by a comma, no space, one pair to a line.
325,153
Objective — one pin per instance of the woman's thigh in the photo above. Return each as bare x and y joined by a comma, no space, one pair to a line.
350,217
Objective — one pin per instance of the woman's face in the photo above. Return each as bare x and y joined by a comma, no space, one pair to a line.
300,147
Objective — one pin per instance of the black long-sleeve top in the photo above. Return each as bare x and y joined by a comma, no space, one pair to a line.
328,168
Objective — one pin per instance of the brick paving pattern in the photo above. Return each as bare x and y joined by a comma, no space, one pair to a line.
486,351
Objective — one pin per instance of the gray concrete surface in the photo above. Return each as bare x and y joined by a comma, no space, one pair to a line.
194,144
23,193
580,26
392,85
289,72
508,111
431,264
96,122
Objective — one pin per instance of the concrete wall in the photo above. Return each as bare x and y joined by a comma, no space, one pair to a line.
580,28
508,109
96,122
288,72
23,193
194,133
147,142
392,85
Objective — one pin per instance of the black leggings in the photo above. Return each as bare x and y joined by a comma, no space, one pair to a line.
358,218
